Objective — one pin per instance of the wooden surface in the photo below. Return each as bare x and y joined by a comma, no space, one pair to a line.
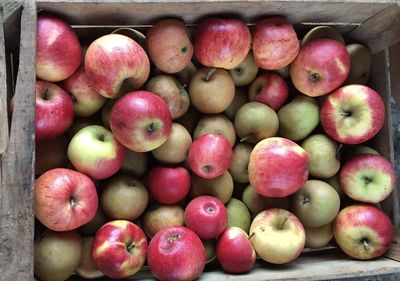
3,92
17,166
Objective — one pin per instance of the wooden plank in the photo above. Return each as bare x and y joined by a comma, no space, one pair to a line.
3,91
394,251
16,193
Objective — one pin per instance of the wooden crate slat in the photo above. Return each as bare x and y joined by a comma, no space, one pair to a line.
3,91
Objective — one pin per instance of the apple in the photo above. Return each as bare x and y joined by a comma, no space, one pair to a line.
321,67
334,182
318,237
278,167
211,90
277,235
73,199
206,216
119,249
353,114
168,185
239,99
176,253
367,178
240,162
216,124
172,92
269,89
158,217
315,204
185,75
238,214
360,64
220,187
141,121
124,198
54,111
275,43
210,156
235,252
169,46
116,64
298,118
56,255
81,122
86,100
86,267
320,32
222,42
350,151
245,72
135,163
175,149
51,154
58,51
255,121
363,231
209,246
257,203
95,152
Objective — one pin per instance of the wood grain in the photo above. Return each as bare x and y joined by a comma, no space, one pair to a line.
17,165
3,91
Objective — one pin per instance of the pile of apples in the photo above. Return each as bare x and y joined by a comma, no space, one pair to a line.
220,142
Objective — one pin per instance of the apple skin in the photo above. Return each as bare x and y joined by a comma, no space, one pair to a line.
86,100
54,111
234,251
206,216
58,51
367,178
86,267
158,217
218,124
278,167
135,163
176,254
245,72
353,114
321,66
141,121
220,187
119,249
51,154
116,64
277,235
222,43
269,89
275,43
168,45
318,237
168,185
73,201
56,255
210,156
363,231
95,152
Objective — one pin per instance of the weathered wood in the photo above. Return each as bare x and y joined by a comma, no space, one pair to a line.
17,165
3,91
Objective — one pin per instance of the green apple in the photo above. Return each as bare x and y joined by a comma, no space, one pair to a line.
86,267
240,162
216,124
245,72
238,214
318,237
220,187
239,99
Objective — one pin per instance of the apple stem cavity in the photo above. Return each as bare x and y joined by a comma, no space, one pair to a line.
46,94
207,168
184,49
130,246
314,77
367,180
210,72
101,137
72,201
365,243
305,200
171,238
282,225
151,128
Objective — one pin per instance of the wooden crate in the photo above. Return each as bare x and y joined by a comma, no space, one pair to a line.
376,24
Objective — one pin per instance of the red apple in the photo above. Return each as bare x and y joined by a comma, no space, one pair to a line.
363,231
222,43
64,199
116,64
234,250
86,100
210,156
54,111
176,253
278,167
353,114
270,89
58,51
119,249
141,121
206,216
169,46
95,152
367,178
275,43
169,185
321,66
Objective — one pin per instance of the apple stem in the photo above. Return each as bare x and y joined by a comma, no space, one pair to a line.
365,244
314,77
339,148
251,235
46,94
283,223
243,139
210,72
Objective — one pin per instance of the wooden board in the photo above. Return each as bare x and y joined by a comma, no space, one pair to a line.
3,91
17,165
